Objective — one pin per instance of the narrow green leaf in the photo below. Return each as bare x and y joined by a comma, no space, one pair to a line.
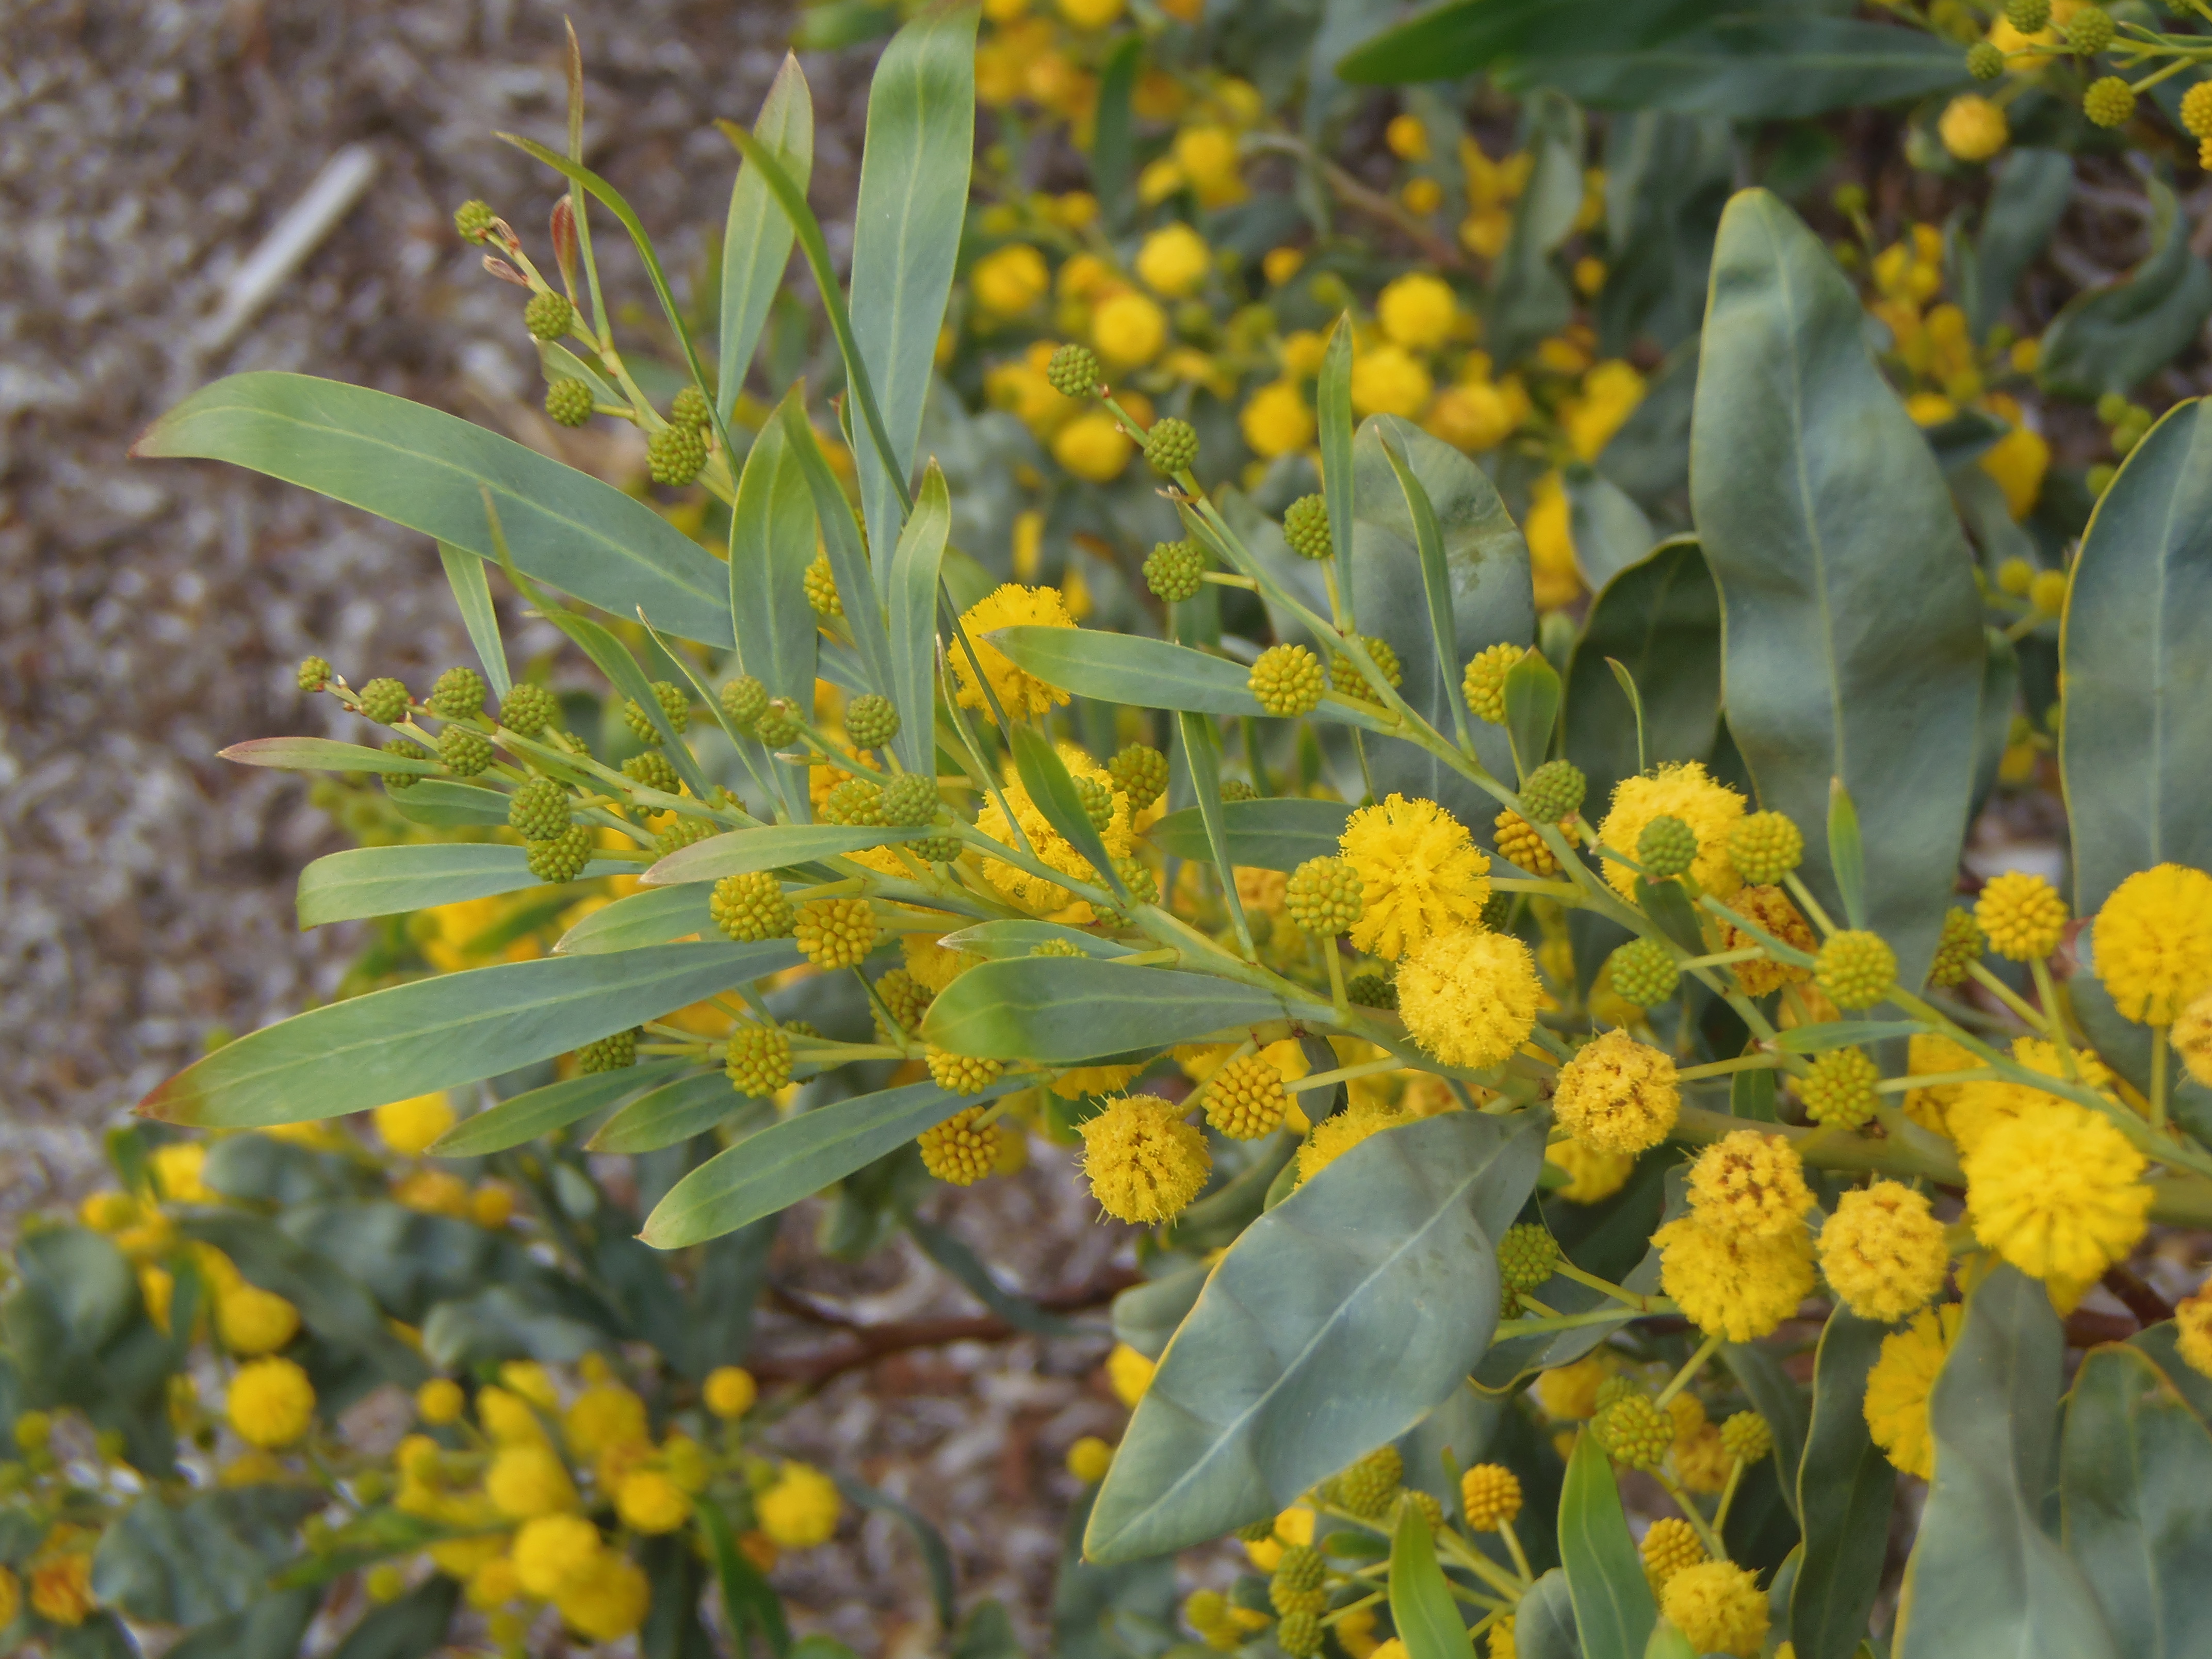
430,472
919,144
914,582
323,755
1435,576
1667,178
1845,1486
2028,194
440,1033
951,1253
1668,1642
2114,338
1854,644
447,803
1529,299
1776,1396
537,1112
406,1629
1544,1623
612,658
1614,1609
1752,1094
2000,692
1147,673
1052,791
848,555
1844,1034
799,1156
656,917
756,237
1847,852
1984,1579
936,1558
670,1115
748,1603
769,847
1339,476
2134,746
1653,637
1059,1009
1669,905
1113,154
466,575
1200,742
1421,1604
1012,937
1279,833
1335,1323
771,544
1532,710
382,881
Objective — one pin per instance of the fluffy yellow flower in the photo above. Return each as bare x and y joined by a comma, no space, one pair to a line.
253,1322
1129,1374
440,1400
1386,380
1334,1136
2021,916
1010,281
2192,1330
1703,1460
271,1403
1469,998
1091,14
607,1600
1089,1459
606,1414
1208,158
1618,1095
1052,849
61,1584
1420,875
1719,1606
1470,417
11,1597
1685,791
1009,606
800,1509
1932,1056
1174,260
1898,1387
553,1550
2018,461
1975,1108
528,1480
1144,1163
177,1169
506,1417
1418,311
1549,530
1972,128
730,1391
1750,1183
2153,942
1093,447
1129,330
2057,1192
1276,421
1740,1285
649,1501
1569,1393
1883,1252
409,1126
1592,1177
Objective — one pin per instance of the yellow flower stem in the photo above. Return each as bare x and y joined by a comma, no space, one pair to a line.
1336,610
2046,992
1481,1566
2150,80
1350,1607
2158,1070
1699,1525
1510,1329
1898,1085
1691,1367
1345,1074
1513,1546
1566,1269
1727,1496
2011,998
1229,579
1543,1308
1758,1062
846,889
1806,901
1566,892
1722,958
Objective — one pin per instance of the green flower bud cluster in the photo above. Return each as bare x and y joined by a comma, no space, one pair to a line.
758,1062
1073,372
562,858
1305,527
405,750
654,770
473,221
1854,969
1344,674
909,800
779,722
1747,1436
1958,949
745,700
1140,772
459,694
1324,897
538,810
1098,800
1667,848
1985,62
1634,1433
384,701
691,408
1288,681
1553,792
548,315
1371,991
1528,1255
2088,31
1643,972
609,1053
751,906
570,402
1840,1090
1175,571
1296,1584
1235,789
871,722
2109,102
675,707
315,673
821,584
906,998
682,830
1369,1488
464,752
1170,446
1764,847
858,802
676,455
528,709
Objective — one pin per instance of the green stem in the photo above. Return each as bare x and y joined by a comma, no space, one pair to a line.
1706,1535
2011,998
1756,1062
1810,905
2158,1071
1566,1269
1513,1545
1727,1496
1691,1367
1510,1329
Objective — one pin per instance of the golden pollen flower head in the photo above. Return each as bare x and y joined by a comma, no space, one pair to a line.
1686,791
1469,998
1750,1183
1052,849
1740,1286
1089,1459
2021,915
409,1126
1718,1605
835,933
2192,1034
552,1550
2057,1192
528,1480
60,1585
607,1600
800,1509
1770,909
1898,1387
730,1391
1883,1252
1334,1136
506,1417
1128,1373
1418,311
1592,1177
1420,875
1009,606
1144,1163
1972,128
1764,847
1490,1495
1128,329
2192,1330
649,1501
271,1403
1569,1393
1854,969
1245,1099
1618,1095
963,1148
440,1400
2153,942
1174,261
606,1414
251,1321
1670,1546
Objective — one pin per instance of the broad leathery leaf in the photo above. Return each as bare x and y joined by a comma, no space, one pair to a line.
756,237
1089,1600
382,881
673,1113
1649,456
1058,1010
1613,1608
439,1034
467,576
2135,1478
656,917
913,585
1544,1623
2160,1341
2028,194
541,1111
1610,530
1661,619
906,235
1276,834
1113,153
1148,673
1845,1487
430,472
1335,1323
1984,1581
1667,178
771,544
2134,745
847,554
792,1159
1854,644
1776,1396
1421,1605
1529,299
769,847
205,1558
2112,339
1145,1316
323,755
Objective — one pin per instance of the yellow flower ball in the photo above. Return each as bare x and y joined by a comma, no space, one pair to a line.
271,1403
1089,1459
408,1126
1093,447
2152,944
253,1322
1334,1136
493,1584
606,1600
553,1550
1049,846
1207,156
2057,1192
61,1587
440,1400
1008,282
528,1480
2192,1034
1129,330
1009,606
108,1211
1408,137
1386,380
649,1501
2192,1329
801,1509
1750,1183
1143,1162
1618,1095
606,1414
1420,875
1972,128
1489,1496
506,1417
1740,1286
1174,261
2021,916
1883,1252
1718,1605
1975,1108
1128,1373
1276,421
1568,1393
1898,1386
1473,418
1091,14
11,1597
1592,1177
177,1169
1469,998
1686,791
2018,461
730,1391
1549,529
1418,311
